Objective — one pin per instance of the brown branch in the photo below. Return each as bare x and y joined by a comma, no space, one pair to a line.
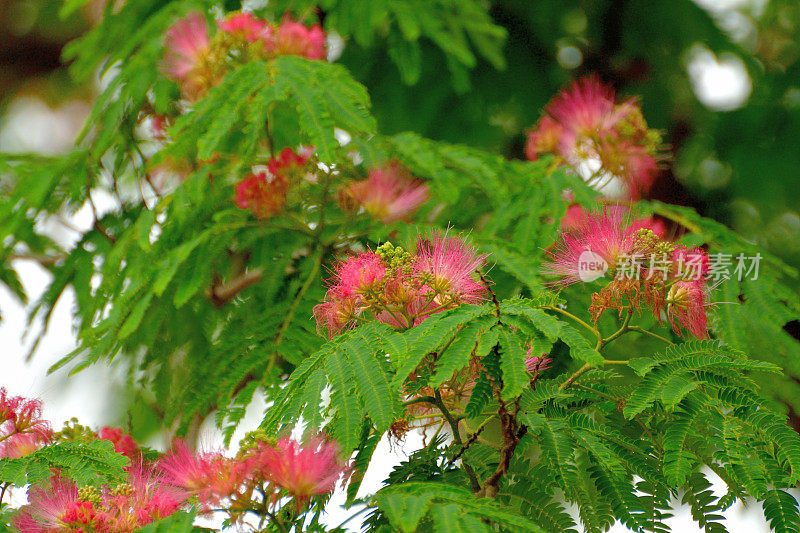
222,293
42,259
512,433
494,296
470,441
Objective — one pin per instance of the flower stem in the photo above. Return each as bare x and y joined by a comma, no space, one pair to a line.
654,335
576,319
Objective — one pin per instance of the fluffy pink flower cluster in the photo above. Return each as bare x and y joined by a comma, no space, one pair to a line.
601,139
400,288
264,193
390,193
670,279
61,506
182,477
287,467
22,429
198,61
302,471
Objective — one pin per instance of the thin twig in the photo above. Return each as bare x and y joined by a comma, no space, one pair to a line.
576,319
654,335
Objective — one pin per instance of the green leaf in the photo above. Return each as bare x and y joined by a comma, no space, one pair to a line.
404,510
85,463
512,364
780,509
675,388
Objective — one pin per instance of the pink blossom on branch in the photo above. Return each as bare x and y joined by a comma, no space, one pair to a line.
187,44
302,470
20,415
585,108
146,498
686,307
245,26
211,477
400,288
264,193
293,38
599,138
47,506
389,193
604,236
359,274
336,313
353,279
448,265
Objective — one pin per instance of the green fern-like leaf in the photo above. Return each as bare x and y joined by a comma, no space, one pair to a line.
705,507
780,509
85,463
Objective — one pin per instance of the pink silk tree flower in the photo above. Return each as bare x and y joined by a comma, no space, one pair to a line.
686,307
80,516
302,470
410,306
336,313
390,193
544,139
47,506
20,445
264,196
210,476
22,415
358,274
586,107
607,143
244,25
602,240
293,38
145,499
448,265
187,44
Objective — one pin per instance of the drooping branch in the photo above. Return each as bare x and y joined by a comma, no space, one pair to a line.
222,293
